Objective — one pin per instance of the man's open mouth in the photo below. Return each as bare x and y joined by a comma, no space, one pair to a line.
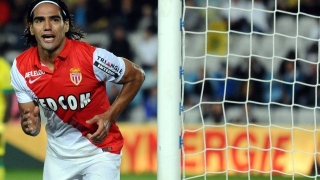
48,38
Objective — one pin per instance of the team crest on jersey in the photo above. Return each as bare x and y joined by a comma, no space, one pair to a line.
75,75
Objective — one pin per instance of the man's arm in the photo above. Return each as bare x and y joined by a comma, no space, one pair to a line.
30,118
132,81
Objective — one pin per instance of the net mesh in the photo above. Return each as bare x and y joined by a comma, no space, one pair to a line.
250,88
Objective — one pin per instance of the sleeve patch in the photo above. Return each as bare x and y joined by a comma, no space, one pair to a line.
106,70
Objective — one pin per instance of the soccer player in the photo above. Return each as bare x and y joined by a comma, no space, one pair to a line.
5,107
65,78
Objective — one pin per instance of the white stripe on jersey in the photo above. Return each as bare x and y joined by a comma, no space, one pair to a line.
19,84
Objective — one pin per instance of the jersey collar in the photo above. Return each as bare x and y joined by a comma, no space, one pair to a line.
66,50
62,56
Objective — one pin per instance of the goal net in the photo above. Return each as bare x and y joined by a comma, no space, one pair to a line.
250,76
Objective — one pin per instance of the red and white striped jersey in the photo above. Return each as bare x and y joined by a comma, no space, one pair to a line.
72,94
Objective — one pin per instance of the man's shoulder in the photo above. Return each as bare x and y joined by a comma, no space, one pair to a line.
25,60
27,54
82,45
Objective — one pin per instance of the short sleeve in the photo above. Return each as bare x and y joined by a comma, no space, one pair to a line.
19,85
107,66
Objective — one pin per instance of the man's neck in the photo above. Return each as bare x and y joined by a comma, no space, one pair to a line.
48,57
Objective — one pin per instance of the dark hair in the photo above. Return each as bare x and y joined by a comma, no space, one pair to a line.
73,32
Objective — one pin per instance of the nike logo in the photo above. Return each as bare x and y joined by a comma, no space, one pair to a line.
34,80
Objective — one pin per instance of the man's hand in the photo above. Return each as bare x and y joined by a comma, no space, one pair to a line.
102,131
30,121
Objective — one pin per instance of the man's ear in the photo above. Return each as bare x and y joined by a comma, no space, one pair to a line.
31,29
66,26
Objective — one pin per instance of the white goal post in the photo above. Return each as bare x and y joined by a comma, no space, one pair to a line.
169,94
246,76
